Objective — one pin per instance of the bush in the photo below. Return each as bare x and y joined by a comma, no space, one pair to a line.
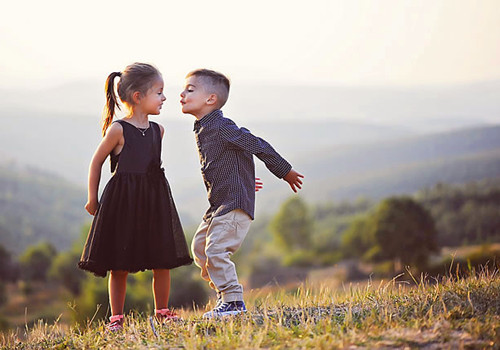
9,271
3,293
301,258
383,269
36,261
485,256
92,300
65,271
25,287
187,287
482,258
4,324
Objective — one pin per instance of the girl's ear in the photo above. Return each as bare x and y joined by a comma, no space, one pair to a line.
212,99
136,97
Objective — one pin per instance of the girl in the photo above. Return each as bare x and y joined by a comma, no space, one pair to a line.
136,225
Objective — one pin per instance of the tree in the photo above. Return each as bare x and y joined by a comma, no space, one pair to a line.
8,269
403,231
65,269
357,240
292,226
93,299
3,294
36,261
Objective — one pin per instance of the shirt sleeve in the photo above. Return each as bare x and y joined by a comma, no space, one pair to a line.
242,138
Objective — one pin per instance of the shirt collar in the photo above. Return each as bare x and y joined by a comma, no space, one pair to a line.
210,117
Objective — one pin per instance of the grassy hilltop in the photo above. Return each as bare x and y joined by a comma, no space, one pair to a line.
451,313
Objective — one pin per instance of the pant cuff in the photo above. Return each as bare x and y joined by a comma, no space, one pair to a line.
227,298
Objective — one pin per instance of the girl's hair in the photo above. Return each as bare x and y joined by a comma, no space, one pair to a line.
135,77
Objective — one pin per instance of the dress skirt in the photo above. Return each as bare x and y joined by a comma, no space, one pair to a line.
136,227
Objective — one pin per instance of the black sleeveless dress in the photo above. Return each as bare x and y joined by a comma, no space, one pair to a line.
136,226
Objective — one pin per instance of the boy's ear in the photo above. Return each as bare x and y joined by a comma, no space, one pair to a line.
136,97
212,99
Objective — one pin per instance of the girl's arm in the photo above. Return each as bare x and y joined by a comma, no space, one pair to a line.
113,138
162,130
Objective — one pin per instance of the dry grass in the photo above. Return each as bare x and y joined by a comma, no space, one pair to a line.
453,313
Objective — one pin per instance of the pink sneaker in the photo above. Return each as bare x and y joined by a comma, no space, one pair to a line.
115,324
165,315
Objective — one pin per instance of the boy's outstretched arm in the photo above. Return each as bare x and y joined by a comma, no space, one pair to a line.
293,179
245,140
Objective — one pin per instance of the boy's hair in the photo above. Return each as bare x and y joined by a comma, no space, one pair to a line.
214,82
135,77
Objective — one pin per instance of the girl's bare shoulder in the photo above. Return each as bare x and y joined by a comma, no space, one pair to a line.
115,130
162,129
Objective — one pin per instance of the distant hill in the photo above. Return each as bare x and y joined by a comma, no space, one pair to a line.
425,108
394,167
367,159
348,142
36,206
334,134
64,144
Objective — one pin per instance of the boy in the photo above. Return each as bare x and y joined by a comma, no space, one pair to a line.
226,157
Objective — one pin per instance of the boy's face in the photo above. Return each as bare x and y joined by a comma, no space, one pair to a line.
195,99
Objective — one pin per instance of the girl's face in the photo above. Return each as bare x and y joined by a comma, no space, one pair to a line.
152,102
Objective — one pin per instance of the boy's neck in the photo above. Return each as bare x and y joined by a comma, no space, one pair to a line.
202,114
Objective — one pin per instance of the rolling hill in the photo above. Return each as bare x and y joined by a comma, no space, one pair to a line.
393,167
37,206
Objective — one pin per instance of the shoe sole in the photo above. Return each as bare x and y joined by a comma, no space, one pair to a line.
223,314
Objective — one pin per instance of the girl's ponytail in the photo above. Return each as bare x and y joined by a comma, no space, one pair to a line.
111,102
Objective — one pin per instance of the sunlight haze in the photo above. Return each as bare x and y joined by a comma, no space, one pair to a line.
388,42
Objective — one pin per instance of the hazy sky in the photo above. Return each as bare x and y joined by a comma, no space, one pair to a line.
355,42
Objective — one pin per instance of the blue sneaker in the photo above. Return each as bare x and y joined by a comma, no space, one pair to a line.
226,309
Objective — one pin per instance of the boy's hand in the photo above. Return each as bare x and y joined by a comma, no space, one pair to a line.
293,179
91,207
258,184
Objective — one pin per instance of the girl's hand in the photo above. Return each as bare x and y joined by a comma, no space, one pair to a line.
91,207
258,184
293,179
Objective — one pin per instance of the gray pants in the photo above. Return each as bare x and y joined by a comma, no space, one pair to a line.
212,246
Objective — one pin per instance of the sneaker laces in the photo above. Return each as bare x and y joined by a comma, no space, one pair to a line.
219,300
221,307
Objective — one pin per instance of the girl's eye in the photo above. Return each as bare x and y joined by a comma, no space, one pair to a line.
190,90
